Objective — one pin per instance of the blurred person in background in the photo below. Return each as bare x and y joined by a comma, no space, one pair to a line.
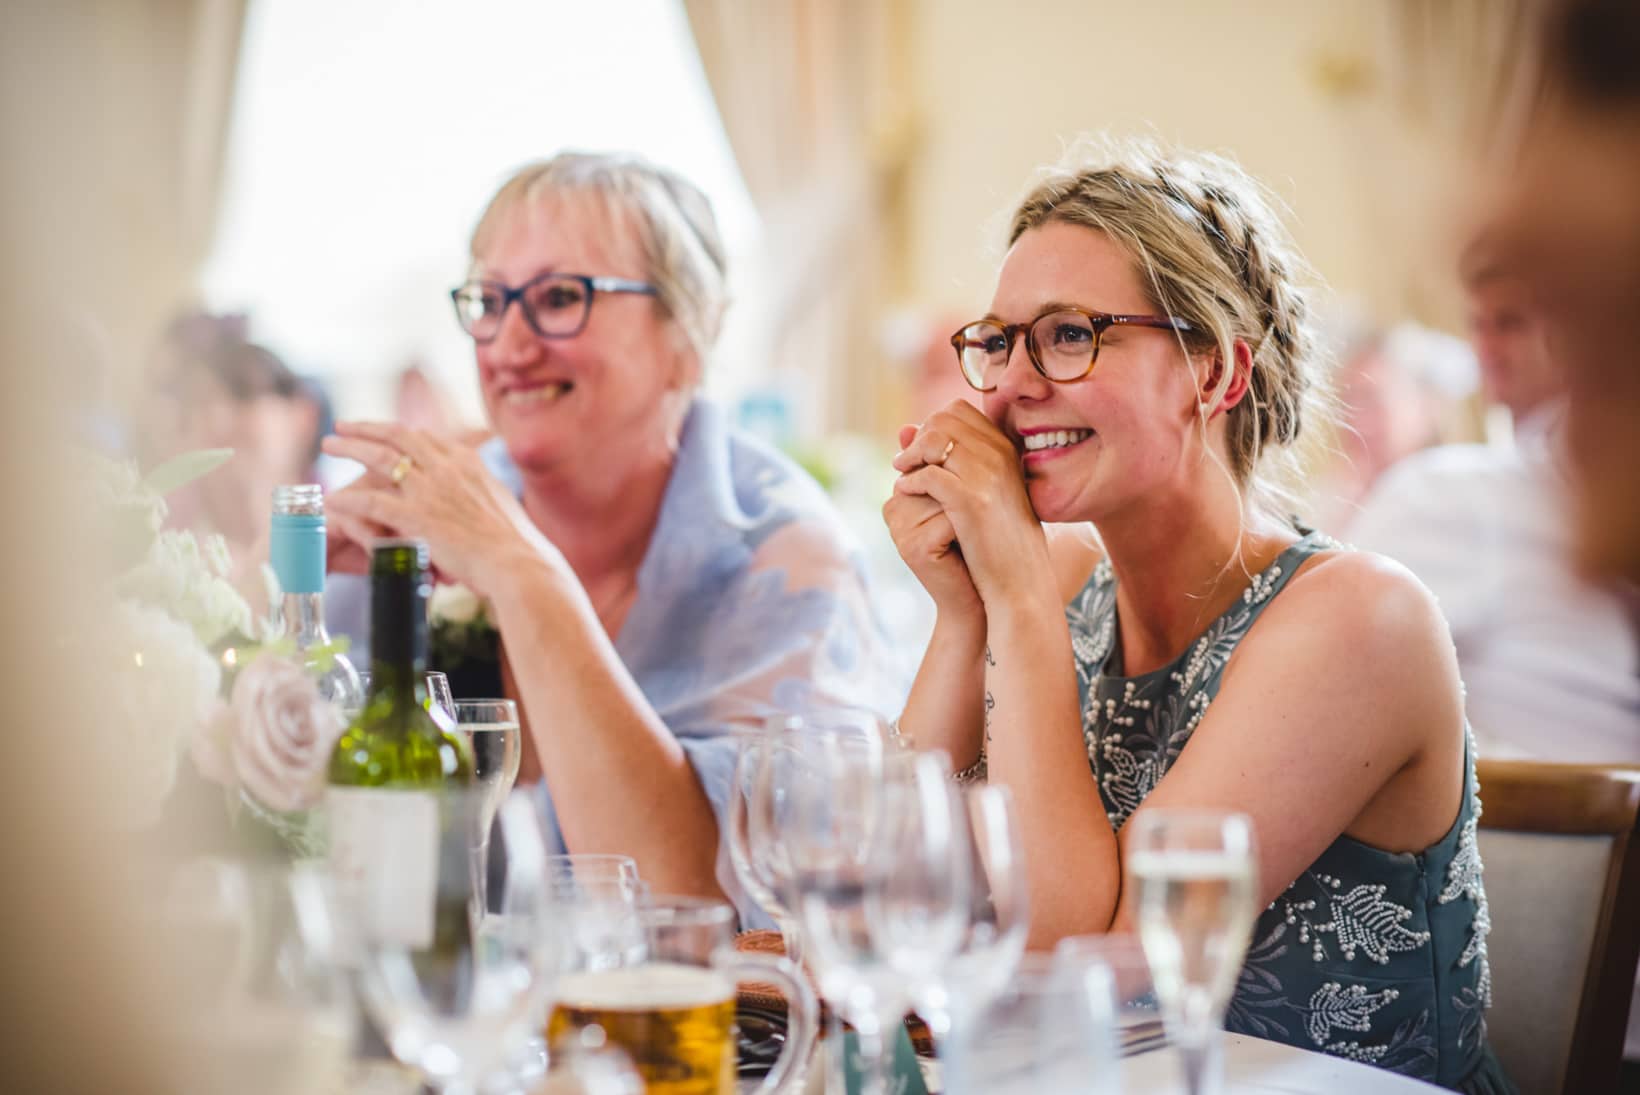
221,390
1399,390
1548,659
1571,220
656,577
1129,621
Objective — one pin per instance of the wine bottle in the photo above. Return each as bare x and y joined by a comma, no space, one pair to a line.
296,551
394,765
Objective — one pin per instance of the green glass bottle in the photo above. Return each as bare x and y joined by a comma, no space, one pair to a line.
394,766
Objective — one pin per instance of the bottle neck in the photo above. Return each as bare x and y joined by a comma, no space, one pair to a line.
398,679
302,616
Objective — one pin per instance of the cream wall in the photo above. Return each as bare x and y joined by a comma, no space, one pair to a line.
1000,88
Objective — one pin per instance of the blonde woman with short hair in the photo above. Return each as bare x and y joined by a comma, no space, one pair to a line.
1129,620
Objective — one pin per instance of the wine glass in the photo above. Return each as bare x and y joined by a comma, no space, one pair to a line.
1194,876
765,764
880,882
438,692
491,729
458,991
998,919
264,1004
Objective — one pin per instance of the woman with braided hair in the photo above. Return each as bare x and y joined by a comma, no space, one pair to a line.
1127,619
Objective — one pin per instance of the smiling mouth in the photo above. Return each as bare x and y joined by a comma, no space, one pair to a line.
1054,439
536,395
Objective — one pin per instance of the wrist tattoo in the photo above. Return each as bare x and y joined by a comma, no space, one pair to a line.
990,703
990,659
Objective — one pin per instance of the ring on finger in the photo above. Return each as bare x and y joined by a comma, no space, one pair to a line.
945,454
401,468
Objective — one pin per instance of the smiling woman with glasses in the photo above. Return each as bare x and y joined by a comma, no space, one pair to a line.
656,577
1130,626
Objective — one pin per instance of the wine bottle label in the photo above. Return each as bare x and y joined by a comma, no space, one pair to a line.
384,847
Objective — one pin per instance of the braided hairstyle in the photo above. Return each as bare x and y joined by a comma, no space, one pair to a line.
1207,241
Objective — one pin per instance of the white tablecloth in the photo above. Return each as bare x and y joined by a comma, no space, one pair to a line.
1253,1066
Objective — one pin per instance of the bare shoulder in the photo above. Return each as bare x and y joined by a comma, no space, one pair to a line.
1074,550
1361,623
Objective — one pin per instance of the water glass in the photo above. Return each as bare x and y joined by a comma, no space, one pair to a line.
1194,876
765,764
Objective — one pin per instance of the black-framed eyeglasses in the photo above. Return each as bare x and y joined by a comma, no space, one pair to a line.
1062,343
555,305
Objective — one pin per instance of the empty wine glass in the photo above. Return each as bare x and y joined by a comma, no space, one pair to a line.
994,940
458,991
765,764
1194,877
880,882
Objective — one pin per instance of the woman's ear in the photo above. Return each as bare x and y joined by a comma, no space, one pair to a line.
1217,395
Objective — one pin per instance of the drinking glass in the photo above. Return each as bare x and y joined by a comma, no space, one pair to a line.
1050,1029
491,728
598,898
994,939
880,882
1194,876
457,991
673,1013
438,693
264,1004
765,764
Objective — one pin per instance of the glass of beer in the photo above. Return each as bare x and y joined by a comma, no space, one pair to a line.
673,1013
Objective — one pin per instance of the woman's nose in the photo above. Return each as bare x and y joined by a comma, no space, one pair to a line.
1019,379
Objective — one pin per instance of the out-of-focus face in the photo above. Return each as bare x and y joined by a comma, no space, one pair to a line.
1386,414
1131,423
612,395
271,438
1508,334
1574,214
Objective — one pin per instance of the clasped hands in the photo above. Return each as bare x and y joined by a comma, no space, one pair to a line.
960,515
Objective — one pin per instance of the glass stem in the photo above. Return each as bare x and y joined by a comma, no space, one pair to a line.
1202,1065
877,1044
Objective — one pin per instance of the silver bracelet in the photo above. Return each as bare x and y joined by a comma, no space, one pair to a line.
977,772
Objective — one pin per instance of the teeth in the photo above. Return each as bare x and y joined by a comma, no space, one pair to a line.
1055,439
526,397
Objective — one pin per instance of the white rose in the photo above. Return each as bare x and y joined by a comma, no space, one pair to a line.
283,733
455,603
155,685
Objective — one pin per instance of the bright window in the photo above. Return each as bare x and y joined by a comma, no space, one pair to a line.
367,137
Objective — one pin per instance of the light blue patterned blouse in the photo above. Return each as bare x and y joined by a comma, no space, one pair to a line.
752,598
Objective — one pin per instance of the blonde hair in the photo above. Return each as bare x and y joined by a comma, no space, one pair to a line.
1207,241
677,231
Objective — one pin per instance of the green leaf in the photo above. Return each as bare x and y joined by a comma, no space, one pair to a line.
181,470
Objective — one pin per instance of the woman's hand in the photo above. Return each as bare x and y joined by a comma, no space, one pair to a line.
960,473
926,541
420,485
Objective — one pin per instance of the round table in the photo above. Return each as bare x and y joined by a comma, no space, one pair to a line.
1253,1066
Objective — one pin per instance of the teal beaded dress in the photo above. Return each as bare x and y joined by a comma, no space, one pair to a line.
1370,955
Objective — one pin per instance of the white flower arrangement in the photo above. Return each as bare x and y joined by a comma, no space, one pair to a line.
160,681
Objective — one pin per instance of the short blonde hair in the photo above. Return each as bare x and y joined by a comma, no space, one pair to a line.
677,232
1207,241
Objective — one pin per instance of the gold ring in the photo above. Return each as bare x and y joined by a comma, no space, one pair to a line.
946,454
401,468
